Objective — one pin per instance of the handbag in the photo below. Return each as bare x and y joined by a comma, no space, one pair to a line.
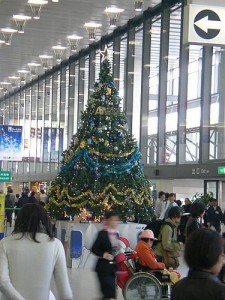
170,259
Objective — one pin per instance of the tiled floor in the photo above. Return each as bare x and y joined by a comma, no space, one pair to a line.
85,285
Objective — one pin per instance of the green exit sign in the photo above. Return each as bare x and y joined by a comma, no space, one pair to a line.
5,176
221,170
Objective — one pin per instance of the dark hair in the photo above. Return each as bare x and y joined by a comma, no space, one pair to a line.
32,193
172,194
10,190
212,200
197,208
33,218
161,194
167,195
17,195
203,248
178,202
174,212
110,213
42,191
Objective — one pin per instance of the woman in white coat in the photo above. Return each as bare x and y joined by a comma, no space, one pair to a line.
30,257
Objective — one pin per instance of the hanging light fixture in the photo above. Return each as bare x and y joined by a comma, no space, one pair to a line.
23,75
138,5
74,41
58,50
13,80
7,34
45,59
56,1
33,68
91,29
21,21
36,6
5,86
113,13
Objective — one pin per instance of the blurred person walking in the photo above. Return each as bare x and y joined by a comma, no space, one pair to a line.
30,257
105,247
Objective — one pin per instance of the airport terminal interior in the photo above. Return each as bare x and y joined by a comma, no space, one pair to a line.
167,65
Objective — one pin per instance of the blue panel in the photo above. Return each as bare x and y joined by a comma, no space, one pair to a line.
76,244
63,235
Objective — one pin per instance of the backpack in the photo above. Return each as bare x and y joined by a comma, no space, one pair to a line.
155,227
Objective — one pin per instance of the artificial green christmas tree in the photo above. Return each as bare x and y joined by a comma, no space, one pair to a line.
102,168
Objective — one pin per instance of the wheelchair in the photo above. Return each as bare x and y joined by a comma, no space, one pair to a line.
138,282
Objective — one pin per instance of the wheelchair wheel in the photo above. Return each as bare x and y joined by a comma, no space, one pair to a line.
142,286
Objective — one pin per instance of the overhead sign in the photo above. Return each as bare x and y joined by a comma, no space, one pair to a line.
11,142
204,24
5,176
221,170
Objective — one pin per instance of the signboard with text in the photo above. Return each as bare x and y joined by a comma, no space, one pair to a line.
5,176
11,142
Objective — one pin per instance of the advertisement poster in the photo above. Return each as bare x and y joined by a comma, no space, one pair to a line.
53,144
11,143
2,215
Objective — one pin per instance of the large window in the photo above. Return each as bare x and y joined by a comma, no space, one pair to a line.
193,114
172,86
153,90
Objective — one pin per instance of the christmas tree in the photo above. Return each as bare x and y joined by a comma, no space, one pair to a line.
102,167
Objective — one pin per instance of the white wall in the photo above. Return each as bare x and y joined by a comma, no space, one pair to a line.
182,187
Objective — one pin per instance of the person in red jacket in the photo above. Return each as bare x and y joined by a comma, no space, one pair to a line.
145,253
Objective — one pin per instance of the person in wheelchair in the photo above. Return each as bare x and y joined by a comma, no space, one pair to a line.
148,261
145,253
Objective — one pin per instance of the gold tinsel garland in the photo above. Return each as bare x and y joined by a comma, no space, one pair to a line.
93,151
64,192
109,154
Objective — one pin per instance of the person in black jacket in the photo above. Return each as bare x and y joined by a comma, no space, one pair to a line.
105,247
195,221
204,257
214,215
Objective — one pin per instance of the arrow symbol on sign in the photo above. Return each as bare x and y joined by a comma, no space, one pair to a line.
205,24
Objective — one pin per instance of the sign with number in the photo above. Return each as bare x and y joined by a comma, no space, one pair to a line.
204,24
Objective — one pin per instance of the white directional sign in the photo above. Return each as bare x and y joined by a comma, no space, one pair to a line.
204,25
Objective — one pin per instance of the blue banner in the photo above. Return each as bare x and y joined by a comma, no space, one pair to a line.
11,142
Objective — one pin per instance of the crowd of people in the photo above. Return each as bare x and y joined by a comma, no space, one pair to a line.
15,202
203,247
194,215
